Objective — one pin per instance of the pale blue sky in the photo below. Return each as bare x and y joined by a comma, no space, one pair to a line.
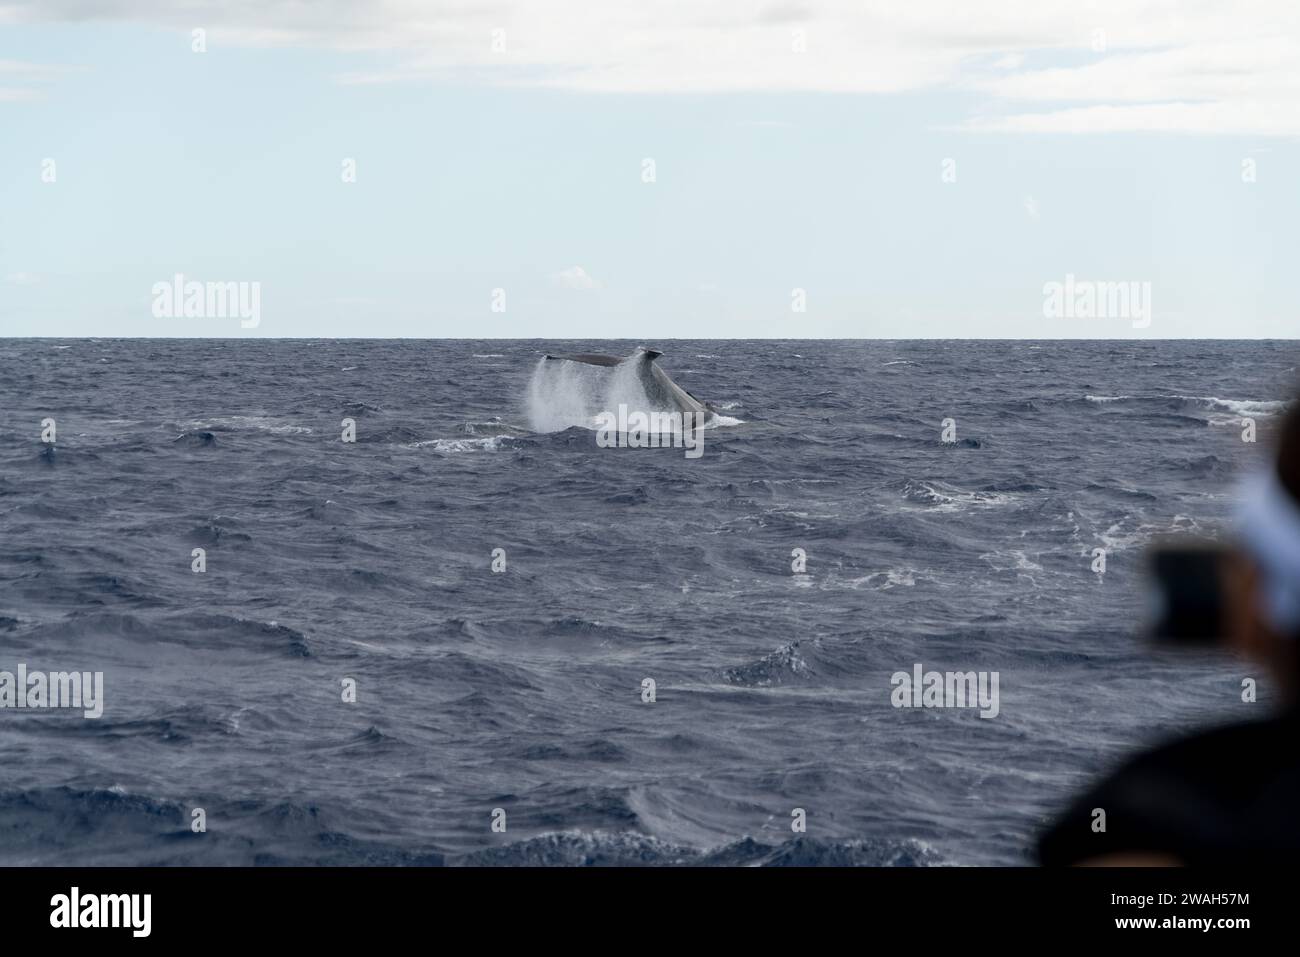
225,166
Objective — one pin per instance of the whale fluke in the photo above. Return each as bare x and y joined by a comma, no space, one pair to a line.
590,358
658,386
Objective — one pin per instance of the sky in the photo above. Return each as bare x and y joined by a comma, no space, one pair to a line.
650,170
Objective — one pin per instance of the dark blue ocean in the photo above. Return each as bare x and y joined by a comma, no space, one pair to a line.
521,690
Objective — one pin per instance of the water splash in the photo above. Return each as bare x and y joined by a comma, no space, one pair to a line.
562,395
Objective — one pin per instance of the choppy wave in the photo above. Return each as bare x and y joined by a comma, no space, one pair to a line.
943,496
1241,407
490,443
496,591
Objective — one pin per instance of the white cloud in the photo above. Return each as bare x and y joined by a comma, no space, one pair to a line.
575,278
1012,61
1227,84
1176,67
1031,207
22,279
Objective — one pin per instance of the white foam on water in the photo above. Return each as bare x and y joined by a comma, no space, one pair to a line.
941,497
883,581
491,443
1247,406
1014,560
1133,532
1209,403
260,423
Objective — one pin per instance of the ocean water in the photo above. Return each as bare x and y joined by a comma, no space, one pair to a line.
521,690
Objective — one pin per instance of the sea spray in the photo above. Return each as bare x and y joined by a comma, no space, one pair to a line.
562,395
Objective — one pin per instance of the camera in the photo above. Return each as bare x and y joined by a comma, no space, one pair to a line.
1188,592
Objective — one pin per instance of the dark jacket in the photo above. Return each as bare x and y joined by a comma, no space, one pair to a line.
1230,795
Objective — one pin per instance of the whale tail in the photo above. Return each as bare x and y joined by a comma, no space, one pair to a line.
594,359
590,359
658,386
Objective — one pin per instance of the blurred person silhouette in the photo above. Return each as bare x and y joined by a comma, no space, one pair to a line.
1228,795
